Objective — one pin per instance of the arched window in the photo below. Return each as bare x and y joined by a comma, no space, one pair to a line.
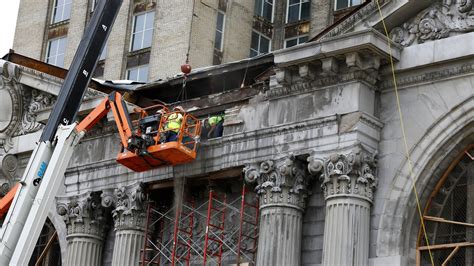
47,251
449,216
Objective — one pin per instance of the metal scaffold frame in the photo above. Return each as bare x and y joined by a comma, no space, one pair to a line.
170,238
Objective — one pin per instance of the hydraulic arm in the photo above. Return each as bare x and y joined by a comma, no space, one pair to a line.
45,170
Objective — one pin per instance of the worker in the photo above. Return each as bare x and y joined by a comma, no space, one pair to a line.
173,124
216,122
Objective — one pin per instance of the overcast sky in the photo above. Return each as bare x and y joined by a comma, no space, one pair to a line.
9,9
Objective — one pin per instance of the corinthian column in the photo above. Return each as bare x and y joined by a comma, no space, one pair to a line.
348,185
281,187
129,220
86,228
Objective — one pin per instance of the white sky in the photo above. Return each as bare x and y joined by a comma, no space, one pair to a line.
9,9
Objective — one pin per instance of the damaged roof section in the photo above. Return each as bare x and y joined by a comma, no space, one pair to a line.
208,80
205,87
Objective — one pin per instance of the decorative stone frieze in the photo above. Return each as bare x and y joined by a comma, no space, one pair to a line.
282,187
86,222
439,73
279,183
351,174
438,21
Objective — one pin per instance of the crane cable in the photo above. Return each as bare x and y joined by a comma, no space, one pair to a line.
402,126
182,96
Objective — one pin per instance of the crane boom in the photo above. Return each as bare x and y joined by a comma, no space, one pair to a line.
28,211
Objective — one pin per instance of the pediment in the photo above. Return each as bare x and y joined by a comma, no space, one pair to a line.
411,21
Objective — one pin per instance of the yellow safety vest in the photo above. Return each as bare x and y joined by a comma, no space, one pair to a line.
214,120
174,122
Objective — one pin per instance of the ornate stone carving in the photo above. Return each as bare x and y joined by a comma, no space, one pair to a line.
10,104
8,168
436,22
279,183
130,211
35,101
351,174
83,214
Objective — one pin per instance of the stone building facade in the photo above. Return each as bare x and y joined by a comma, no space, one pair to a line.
153,37
315,131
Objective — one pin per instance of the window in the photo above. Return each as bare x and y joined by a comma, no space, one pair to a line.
340,4
264,9
297,10
219,40
259,44
61,10
55,52
295,41
139,73
142,30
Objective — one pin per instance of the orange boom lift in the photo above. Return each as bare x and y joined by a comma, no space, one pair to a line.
145,147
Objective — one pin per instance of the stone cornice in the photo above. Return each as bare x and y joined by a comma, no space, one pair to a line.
321,83
449,71
369,40
351,174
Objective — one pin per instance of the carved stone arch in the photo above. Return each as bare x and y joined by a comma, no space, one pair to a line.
60,227
399,221
11,110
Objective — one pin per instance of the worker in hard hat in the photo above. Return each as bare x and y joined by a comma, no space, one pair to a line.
216,122
173,124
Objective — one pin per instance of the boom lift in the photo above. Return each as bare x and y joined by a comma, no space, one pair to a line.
143,148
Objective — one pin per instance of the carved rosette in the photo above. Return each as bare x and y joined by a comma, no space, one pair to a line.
84,215
8,172
130,210
441,20
351,174
279,183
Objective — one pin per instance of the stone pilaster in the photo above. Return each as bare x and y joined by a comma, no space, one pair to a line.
348,184
129,220
86,225
282,189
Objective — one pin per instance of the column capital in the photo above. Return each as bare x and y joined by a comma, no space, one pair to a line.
129,202
279,182
350,174
83,215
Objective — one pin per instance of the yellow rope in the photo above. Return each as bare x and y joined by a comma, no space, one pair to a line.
410,165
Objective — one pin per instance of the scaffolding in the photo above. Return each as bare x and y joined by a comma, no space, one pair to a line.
218,230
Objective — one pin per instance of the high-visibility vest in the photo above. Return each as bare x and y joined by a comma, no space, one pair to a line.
214,120
174,122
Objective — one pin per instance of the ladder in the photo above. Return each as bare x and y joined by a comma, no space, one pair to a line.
248,231
215,227
182,235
